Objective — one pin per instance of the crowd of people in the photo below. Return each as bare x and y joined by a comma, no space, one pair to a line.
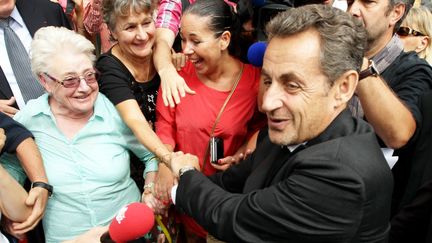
327,141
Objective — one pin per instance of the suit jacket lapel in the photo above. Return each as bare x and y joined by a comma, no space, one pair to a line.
271,157
33,20
5,90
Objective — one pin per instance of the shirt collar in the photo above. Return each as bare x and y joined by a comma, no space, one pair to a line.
293,147
45,109
42,102
388,54
99,111
16,16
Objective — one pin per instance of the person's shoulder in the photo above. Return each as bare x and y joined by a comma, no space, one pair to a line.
35,105
108,112
252,75
187,70
32,108
252,70
42,13
107,58
407,68
45,3
40,6
104,106
408,60
107,63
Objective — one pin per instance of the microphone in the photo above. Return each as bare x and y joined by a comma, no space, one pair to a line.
256,52
131,222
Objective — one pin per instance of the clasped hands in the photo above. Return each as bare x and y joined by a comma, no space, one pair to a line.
160,197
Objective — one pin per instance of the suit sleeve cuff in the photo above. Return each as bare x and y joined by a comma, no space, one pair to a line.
174,193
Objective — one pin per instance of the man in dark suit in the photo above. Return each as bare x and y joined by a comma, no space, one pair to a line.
35,14
317,174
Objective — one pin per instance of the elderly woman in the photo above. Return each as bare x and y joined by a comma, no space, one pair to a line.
416,32
83,141
128,76
209,32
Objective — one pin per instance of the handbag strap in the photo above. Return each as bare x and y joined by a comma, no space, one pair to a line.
221,111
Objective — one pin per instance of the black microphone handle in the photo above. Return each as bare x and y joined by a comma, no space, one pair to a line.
106,238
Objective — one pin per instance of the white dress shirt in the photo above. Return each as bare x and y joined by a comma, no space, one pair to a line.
17,24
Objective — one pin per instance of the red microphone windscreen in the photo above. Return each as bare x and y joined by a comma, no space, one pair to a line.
131,222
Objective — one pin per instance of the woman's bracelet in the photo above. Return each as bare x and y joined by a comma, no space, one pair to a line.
148,186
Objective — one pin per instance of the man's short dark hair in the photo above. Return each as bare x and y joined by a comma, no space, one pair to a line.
343,38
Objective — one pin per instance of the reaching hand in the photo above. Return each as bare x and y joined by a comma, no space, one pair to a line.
156,205
180,160
6,106
165,180
37,199
173,87
7,225
2,138
228,161
178,60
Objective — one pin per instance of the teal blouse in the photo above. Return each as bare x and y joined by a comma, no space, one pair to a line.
90,173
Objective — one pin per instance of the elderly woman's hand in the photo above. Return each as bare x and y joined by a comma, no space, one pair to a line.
156,205
165,180
37,199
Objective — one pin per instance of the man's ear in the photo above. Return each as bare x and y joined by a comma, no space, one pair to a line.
345,87
397,13
225,40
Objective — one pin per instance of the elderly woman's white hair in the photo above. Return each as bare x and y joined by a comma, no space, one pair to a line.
51,41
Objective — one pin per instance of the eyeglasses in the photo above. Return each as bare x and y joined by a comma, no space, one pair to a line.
406,31
74,81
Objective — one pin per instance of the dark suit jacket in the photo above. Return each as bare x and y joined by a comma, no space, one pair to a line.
36,14
336,188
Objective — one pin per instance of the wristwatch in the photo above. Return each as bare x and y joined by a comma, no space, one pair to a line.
44,185
371,70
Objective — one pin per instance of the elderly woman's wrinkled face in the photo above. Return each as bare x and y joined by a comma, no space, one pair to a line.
135,34
69,99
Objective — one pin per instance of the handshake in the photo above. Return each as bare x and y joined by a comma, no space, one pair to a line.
180,161
157,194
